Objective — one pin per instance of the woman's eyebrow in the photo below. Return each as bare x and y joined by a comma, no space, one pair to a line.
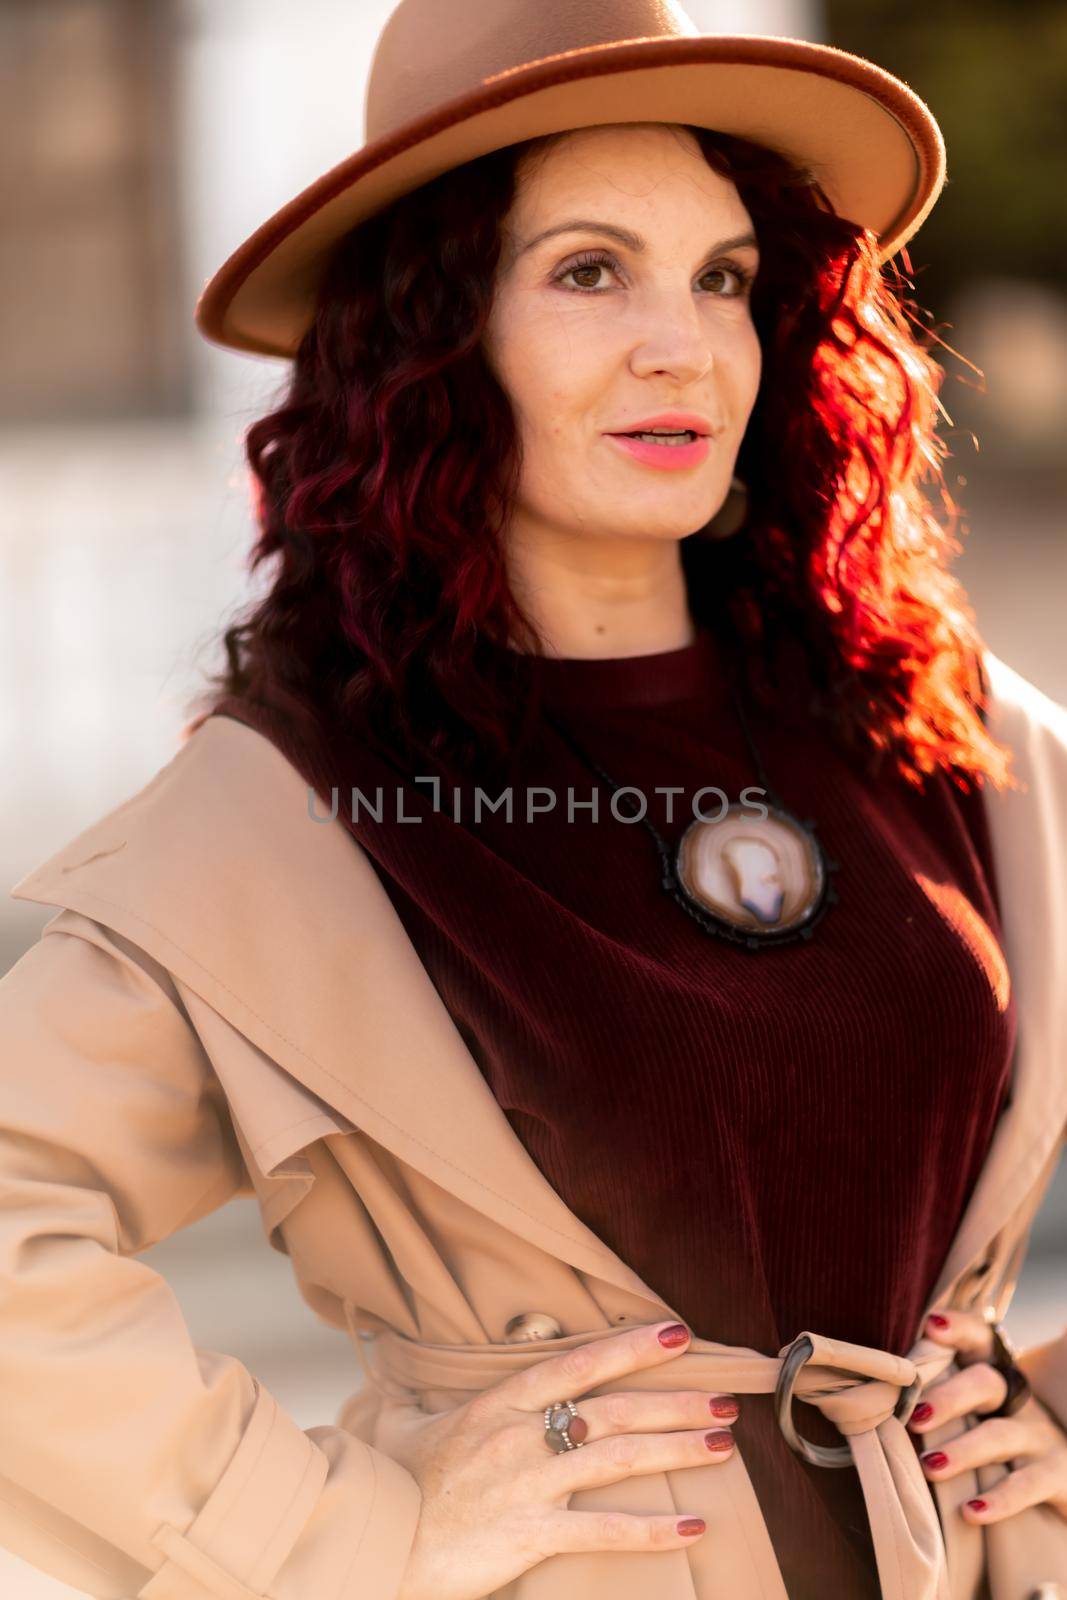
624,236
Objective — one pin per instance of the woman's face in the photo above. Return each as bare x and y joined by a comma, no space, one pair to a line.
619,298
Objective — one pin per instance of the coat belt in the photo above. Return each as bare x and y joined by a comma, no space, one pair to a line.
858,1387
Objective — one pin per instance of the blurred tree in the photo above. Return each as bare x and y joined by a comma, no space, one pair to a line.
995,77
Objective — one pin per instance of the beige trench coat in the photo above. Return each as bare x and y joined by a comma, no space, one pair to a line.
226,1003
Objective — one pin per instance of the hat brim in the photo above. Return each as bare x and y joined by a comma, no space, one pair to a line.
870,141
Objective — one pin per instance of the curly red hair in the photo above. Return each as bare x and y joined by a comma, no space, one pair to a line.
382,484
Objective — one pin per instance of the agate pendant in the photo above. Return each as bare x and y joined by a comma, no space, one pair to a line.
756,880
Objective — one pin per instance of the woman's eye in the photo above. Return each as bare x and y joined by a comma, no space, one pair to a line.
588,267
744,279
586,273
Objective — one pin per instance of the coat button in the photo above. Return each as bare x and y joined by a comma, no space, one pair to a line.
531,1325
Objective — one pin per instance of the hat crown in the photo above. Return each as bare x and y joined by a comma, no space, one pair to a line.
432,51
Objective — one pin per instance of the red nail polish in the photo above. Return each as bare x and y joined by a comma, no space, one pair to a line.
673,1336
935,1459
937,1320
690,1525
978,1505
721,1439
922,1412
723,1406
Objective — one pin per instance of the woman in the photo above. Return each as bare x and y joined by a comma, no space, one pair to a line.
491,573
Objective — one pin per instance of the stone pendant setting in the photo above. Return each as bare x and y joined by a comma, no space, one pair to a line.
755,880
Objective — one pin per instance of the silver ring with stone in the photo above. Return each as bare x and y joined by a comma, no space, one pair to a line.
564,1428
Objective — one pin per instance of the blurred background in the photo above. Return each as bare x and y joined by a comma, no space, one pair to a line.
140,142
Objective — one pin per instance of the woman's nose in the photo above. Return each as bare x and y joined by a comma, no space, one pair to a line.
676,344
685,366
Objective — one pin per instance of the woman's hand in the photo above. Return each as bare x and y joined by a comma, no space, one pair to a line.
1031,1437
494,1496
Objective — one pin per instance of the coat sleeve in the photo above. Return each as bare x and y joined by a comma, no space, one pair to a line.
131,1462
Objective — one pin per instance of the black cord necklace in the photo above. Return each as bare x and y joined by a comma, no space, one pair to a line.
757,878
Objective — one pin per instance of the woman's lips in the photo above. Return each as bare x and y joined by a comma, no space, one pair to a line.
671,457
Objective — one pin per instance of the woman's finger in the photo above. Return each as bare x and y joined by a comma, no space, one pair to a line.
1000,1439
656,1411
976,1388
967,1332
1038,1483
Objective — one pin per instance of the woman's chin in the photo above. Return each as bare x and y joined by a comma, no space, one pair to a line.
660,522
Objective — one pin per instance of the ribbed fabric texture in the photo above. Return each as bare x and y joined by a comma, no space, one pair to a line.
777,1140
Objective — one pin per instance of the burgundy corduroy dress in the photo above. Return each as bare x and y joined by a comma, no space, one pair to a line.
776,1140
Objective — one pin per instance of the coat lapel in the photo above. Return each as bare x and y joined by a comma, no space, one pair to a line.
280,924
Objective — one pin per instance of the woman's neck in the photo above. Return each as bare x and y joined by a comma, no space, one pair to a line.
603,598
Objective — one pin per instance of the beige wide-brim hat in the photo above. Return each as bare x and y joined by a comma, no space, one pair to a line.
454,79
